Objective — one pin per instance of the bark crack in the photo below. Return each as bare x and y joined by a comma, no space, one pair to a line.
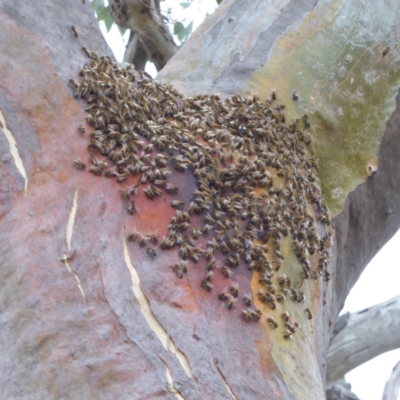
150,318
70,230
14,149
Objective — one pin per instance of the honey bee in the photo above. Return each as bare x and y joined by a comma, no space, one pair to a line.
79,164
234,290
247,315
209,276
97,162
327,276
149,192
271,322
247,300
280,298
209,253
87,52
285,316
255,315
134,189
271,304
153,238
180,270
208,219
196,233
289,328
143,241
125,194
211,264
158,182
156,190
73,84
161,160
177,203
132,207
183,226
206,285
133,236
81,129
206,229
233,259
308,313
224,296
226,272
148,149
230,302
151,251
287,335
74,31
96,170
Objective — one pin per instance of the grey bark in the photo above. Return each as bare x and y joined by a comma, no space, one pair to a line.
367,334
392,387
375,204
135,53
143,17
341,390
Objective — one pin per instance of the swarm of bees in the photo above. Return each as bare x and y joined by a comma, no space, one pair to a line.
256,184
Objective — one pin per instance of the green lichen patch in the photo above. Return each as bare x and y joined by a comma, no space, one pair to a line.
342,62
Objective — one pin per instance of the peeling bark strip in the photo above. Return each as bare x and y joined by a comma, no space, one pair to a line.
13,149
144,18
171,384
368,333
154,324
70,251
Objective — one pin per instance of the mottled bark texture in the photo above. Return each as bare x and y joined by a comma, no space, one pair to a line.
143,17
110,322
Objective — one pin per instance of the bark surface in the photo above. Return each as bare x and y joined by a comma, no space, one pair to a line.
89,317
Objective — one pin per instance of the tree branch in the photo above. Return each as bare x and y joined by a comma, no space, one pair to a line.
144,18
135,53
392,386
367,334
340,391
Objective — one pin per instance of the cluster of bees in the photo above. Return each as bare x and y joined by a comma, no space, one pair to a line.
255,183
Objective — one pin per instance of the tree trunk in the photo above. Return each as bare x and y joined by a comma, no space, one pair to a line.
87,314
